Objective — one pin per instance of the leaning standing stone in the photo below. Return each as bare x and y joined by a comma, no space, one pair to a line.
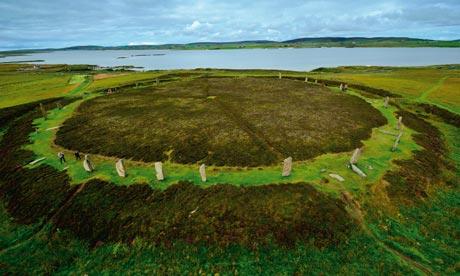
120,166
203,172
87,164
355,156
159,171
287,166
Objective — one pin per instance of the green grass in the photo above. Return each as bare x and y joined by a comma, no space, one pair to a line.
25,87
436,84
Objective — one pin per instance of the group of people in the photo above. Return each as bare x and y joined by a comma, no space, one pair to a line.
61,156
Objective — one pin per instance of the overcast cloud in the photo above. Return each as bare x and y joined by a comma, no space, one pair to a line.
55,23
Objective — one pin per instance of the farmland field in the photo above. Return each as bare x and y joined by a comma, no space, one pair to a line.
401,218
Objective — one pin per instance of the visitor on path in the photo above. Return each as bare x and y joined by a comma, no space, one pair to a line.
77,155
61,157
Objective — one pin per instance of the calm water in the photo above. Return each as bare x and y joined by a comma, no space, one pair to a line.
288,59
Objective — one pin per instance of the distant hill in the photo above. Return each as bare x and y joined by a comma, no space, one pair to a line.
305,42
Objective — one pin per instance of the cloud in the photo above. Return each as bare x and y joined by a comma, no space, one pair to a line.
192,27
55,23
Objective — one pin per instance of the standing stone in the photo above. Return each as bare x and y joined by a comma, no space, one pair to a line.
355,156
279,75
306,79
87,164
159,171
316,81
387,99
120,166
399,126
157,81
341,87
43,111
287,166
396,143
203,172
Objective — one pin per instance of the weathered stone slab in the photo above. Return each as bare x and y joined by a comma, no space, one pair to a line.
396,143
87,164
159,171
120,166
357,170
356,154
287,166
37,160
306,79
336,176
203,172
280,76
53,128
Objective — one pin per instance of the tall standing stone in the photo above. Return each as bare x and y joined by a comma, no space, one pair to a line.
203,172
157,81
306,79
120,166
396,143
280,76
287,166
387,99
341,87
87,164
159,171
400,125
316,81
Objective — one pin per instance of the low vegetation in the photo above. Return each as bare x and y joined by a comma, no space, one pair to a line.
221,121
402,219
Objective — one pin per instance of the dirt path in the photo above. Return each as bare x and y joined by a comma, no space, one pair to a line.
43,226
248,128
424,269
435,87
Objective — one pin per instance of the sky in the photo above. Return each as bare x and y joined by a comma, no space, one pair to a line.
63,23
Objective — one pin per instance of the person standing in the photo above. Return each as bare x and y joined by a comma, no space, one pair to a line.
77,155
61,157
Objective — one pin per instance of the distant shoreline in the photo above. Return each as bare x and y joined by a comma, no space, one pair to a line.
321,42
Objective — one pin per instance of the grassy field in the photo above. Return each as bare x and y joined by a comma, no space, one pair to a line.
24,84
437,85
402,219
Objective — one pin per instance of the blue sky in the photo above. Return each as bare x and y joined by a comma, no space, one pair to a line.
61,23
